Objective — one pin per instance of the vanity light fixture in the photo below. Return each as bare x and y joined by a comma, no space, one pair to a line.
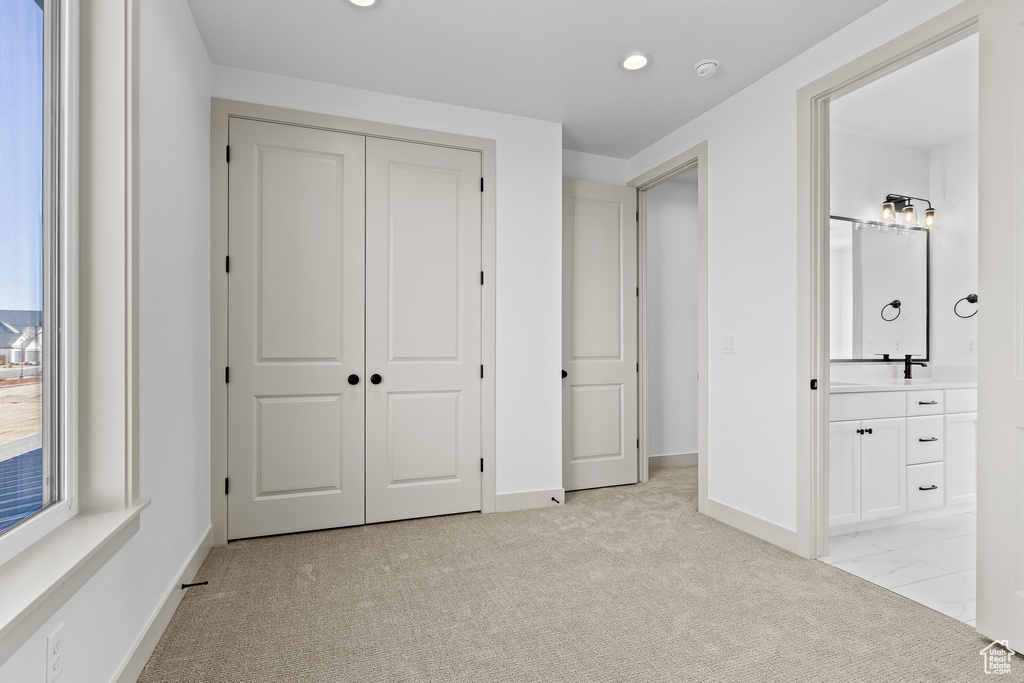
635,61
908,217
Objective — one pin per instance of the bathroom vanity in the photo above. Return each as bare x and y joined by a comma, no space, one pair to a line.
900,451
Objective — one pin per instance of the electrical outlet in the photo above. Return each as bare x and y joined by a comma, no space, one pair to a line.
55,653
728,343
897,346
972,347
869,348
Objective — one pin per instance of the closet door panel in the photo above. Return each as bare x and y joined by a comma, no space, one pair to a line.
422,330
296,299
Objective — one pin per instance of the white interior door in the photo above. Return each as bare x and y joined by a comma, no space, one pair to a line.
599,335
295,424
423,452
1001,324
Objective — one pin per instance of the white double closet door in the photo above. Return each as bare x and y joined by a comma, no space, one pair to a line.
354,329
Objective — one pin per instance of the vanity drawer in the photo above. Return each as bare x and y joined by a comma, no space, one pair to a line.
868,405
961,400
925,486
925,402
925,439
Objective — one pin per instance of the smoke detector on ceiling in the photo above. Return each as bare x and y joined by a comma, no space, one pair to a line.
706,67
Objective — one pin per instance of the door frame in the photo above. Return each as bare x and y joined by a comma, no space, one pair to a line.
221,112
695,157
812,251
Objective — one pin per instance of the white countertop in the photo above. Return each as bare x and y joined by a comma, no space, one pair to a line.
887,384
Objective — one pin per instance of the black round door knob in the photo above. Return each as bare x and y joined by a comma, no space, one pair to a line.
564,374
376,379
353,379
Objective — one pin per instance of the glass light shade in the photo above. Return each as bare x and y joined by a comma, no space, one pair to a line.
363,3
888,212
931,221
909,215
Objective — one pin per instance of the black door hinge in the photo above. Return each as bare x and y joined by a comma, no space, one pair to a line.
481,184
481,372
227,375
637,216
638,442
638,292
227,264
226,487
481,464
814,385
227,153
638,367
481,278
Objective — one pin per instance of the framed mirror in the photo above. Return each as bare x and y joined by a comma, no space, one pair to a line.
878,284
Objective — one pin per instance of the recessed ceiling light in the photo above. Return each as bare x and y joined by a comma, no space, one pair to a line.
635,61
362,3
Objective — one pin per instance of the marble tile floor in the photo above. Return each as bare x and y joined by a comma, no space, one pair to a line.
930,562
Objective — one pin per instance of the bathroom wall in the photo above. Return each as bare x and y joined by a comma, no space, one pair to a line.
954,191
863,170
672,316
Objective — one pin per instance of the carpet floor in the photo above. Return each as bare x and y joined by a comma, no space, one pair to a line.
620,584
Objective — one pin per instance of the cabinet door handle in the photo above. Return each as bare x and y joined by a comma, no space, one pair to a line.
375,379
868,431
860,431
933,438
927,403
927,488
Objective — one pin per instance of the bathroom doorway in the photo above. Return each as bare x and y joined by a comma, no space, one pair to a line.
903,329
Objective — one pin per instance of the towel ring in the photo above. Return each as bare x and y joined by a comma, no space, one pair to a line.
895,303
971,299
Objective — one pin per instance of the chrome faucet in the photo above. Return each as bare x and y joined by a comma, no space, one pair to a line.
907,366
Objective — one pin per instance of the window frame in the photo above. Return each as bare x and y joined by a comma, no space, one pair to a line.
59,416
102,271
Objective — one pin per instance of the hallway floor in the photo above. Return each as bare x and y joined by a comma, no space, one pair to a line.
930,562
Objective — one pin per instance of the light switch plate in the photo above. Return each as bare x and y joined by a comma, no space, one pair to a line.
728,343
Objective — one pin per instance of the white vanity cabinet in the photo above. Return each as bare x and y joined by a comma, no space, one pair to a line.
897,455
867,470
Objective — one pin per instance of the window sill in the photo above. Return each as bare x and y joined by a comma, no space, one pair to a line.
42,578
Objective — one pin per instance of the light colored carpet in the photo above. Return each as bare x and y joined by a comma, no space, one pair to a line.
620,584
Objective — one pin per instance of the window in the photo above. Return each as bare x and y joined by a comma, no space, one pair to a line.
34,481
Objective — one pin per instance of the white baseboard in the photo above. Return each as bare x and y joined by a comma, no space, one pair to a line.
657,462
528,500
755,526
132,667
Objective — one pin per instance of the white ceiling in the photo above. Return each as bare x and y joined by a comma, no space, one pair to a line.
927,104
545,59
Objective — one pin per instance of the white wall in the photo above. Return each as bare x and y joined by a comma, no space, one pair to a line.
863,170
529,247
954,192
672,317
752,263
594,168
104,619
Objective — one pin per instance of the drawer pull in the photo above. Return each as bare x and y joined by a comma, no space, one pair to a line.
928,440
927,403
927,488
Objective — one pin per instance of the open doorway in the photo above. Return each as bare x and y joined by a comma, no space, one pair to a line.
673,316
902,285
671,275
